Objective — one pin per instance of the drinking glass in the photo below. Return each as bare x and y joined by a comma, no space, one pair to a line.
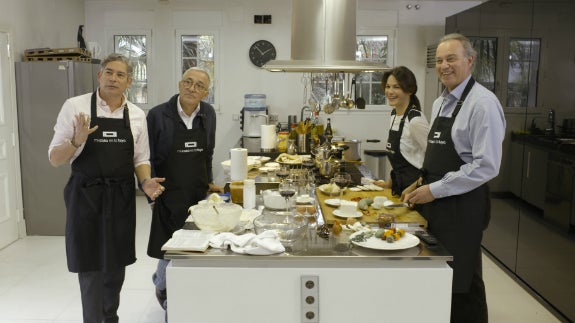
287,189
283,172
342,179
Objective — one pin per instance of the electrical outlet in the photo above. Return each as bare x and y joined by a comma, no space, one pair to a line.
235,117
310,299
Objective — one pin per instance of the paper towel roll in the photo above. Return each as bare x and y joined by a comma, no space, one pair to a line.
239,164
268,133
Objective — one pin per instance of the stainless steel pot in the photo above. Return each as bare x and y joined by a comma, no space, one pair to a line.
352,149
327,168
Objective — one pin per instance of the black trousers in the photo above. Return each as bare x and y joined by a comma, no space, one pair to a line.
471,307
101,295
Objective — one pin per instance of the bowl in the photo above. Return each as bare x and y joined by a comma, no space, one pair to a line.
217,217
274,201
290,226
329,189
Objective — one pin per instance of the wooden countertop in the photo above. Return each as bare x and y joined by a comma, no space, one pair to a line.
402,214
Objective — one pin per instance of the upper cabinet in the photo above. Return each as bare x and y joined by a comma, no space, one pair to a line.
535,57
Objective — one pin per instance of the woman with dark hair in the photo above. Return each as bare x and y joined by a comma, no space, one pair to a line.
408,129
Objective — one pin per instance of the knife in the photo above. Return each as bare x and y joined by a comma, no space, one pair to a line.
391,205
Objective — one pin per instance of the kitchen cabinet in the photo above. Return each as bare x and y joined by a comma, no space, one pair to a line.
315,280
529,181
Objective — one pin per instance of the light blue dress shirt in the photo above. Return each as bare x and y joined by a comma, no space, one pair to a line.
477,134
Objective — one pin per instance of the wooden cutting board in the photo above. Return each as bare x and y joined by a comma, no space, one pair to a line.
402,214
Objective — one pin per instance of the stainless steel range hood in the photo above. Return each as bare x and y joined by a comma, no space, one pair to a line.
323,39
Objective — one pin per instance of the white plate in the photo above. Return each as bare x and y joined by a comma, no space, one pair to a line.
332,202
261,159
357,214
355,189
407,241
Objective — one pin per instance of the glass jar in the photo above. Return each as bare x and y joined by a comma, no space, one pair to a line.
282,141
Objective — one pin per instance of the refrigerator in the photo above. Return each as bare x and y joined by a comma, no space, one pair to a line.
41,89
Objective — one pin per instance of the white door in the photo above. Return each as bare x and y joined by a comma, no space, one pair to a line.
10,200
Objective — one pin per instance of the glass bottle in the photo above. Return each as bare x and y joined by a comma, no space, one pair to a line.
291,148
328,133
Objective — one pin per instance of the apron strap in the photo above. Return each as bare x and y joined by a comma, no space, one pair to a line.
463,97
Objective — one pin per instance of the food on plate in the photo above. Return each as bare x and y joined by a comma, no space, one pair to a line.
289,159
365,203
330,188
391,235
357,198
388,235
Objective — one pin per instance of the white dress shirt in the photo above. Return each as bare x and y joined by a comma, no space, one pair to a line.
477,135
65,123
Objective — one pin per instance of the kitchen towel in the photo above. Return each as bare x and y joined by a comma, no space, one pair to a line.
239,164
268,133
265,243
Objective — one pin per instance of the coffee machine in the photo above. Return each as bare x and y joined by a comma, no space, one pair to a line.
251,120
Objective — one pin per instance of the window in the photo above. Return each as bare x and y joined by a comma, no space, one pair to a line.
371,49
485,63
135,48
198,51
522,72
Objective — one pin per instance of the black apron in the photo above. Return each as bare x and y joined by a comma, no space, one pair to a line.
457,221
403,172
186,183
100,198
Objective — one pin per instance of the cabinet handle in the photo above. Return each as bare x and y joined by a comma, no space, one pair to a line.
528,164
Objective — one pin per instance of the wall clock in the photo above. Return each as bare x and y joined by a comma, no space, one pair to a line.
261,52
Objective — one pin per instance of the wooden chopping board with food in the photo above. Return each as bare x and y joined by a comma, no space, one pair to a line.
367,211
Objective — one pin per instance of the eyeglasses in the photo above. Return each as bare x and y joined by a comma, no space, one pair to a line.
198,86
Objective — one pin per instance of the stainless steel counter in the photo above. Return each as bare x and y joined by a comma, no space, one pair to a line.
335,250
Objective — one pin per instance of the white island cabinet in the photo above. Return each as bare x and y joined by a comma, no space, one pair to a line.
317,280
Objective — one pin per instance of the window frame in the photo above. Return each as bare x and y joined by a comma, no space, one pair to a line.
149,58
215,81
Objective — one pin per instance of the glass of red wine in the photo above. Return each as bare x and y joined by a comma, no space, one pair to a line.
287,189
283,172
342,179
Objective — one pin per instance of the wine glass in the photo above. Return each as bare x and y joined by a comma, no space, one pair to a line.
287,189
283,172
342,179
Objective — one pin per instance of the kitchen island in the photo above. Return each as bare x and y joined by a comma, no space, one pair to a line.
315,280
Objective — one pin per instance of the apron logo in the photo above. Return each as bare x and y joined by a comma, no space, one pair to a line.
109,134
191,144
436,134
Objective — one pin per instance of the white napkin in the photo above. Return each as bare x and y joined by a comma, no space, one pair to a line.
265,243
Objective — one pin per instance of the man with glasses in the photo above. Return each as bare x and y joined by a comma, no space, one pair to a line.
105,138
182,138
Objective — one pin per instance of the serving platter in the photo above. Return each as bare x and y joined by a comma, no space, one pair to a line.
405,242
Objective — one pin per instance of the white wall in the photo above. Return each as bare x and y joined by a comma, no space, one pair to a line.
54,24
42,23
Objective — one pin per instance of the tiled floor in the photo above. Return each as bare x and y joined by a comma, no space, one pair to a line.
36,287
